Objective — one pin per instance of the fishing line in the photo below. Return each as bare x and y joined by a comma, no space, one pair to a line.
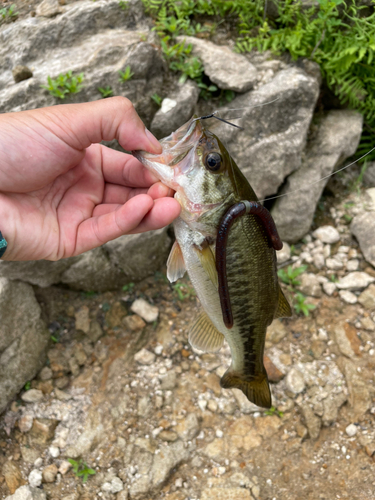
319,180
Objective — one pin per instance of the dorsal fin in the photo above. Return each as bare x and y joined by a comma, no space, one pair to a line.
207,259
204,335
283,308
175,263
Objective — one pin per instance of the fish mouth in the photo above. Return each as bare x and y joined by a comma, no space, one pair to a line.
177,155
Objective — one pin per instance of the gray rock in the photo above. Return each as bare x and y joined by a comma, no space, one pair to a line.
369,175
223,66
35,478
181,104
312,421
32,396
23,338
188,428
43,273
355,281
294,381
310,285
331,406
327,234
343,342
139,255
91,435
114,486
48,8
21,73
367,298
334,263
336,138
359,393
28,493
329,288
348,297
145,310
274,138
351,430
284,254
144,357
363,228
169,457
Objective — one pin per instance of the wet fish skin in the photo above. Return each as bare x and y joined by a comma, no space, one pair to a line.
253,286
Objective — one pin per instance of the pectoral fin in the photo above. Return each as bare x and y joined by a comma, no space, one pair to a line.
283,308
204,335
175,264
207,259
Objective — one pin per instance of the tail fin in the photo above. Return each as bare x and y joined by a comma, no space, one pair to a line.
256,390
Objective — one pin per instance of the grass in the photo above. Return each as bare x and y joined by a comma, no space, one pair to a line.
184,291
81,469
64,84
8,13
300,305
156,98
290,275
274,411
125,75
106,91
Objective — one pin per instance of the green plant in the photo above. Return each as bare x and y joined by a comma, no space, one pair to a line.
300,306
80,469
274,411
64,84
289,275
55,338
129,287
27,386
7,13
123,5
156,98
183,291
106,92
125,75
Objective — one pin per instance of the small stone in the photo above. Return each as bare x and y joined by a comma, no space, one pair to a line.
355,281
274,374
29,455
115,315
368,324
13,476
123,495
114,486
294,381
301,430
310,285
319,261
351,430
144,357
352,265
348,297
35,478
168,381
95,331
134,323
312,421
188,428
367,298
21,73
49,473
82,318
48,8
226,494
38,462
169,436
32,396
25,423
54,451
212,405
343,341
334,263
28,493
329,288
145,310
45,373
284,254
363,228
327,234
65,466
61,395
61,382
276,331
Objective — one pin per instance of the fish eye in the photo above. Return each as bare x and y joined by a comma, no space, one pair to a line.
213,162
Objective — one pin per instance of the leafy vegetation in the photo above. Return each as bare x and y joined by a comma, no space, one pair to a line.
64,84
8,13
300,305
274,411
80,469
156,98
184,291
338,35
289,276
129,287
27,386
125,75
106,91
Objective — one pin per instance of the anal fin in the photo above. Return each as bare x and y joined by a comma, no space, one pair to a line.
204,335
257,389
175,263
283,308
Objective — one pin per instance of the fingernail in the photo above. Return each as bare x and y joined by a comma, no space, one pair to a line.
154,142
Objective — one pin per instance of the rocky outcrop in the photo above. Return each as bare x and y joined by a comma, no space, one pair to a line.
23,338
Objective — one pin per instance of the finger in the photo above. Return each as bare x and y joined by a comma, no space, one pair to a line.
114,193
105,209
139,214
124,169
160,190
81,125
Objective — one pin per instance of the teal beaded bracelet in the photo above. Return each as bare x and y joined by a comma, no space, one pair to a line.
3,245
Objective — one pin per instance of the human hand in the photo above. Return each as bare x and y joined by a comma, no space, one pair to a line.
62,193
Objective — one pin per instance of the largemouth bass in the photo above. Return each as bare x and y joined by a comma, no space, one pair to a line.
238,289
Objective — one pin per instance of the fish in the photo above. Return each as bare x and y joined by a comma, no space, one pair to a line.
226,242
